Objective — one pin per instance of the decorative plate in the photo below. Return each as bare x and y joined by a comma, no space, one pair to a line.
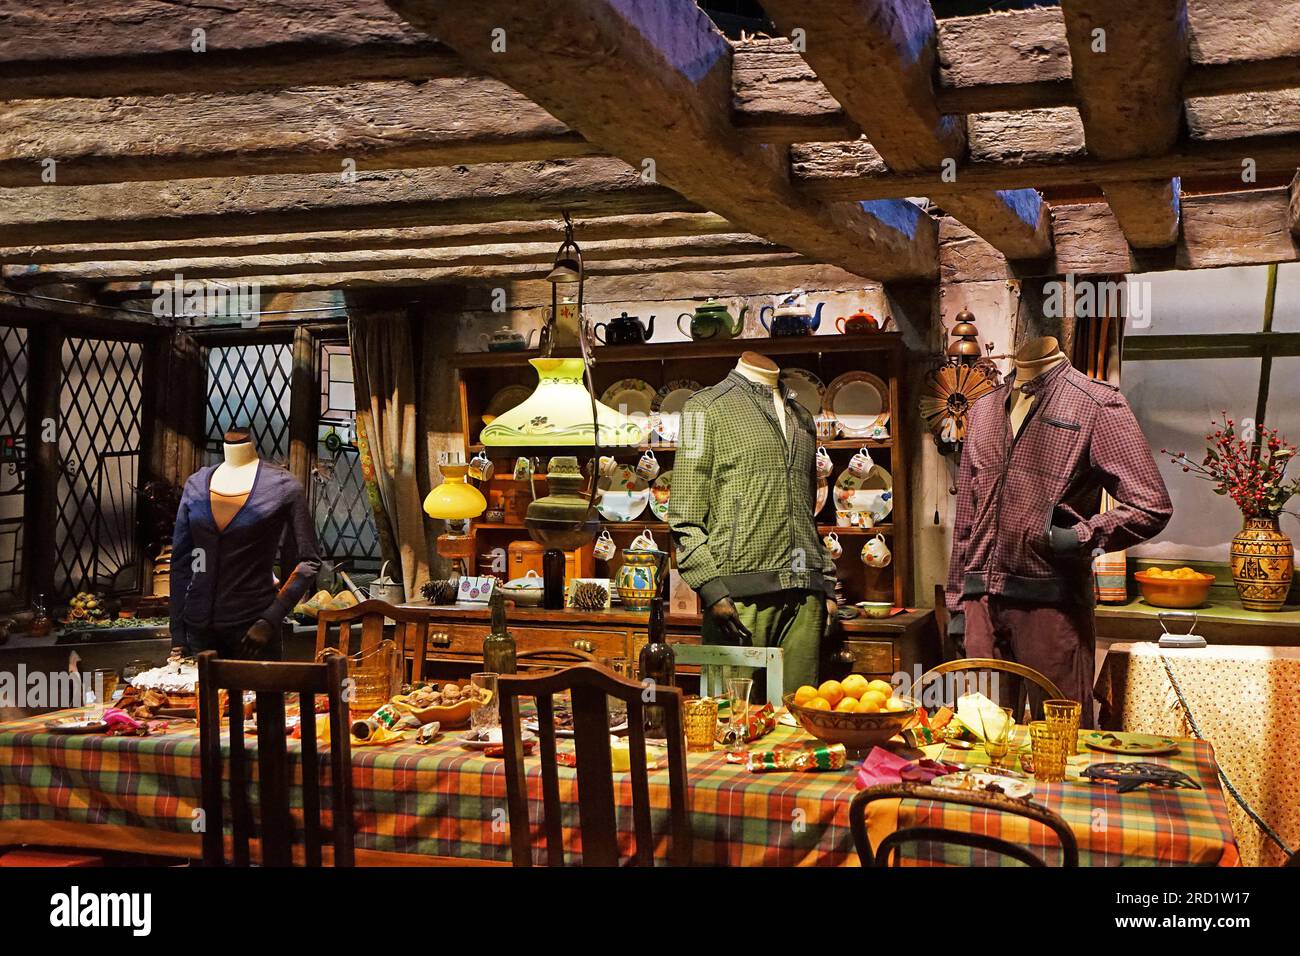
807,388
668,404
635,398
823,492
622,496
659,492
1146,745
506,399
857,399
873,494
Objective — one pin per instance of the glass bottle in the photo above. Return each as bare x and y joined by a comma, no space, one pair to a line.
41,623
499,645
657,663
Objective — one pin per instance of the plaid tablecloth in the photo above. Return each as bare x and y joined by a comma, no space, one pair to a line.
442,800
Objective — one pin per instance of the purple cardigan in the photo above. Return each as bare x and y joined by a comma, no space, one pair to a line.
224,579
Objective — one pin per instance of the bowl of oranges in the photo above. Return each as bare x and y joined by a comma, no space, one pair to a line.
855,712
1181,587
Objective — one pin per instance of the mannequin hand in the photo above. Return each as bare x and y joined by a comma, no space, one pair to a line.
831,607
727,620
255,641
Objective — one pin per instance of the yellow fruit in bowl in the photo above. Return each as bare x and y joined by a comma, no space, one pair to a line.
804,694
818,703
876,698
882,687
855,685
869,704
896,704
832,691
847,706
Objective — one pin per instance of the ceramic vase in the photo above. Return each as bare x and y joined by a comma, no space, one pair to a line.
637,580
1263,562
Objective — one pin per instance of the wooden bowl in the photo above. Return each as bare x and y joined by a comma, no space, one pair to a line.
1174,592
857,732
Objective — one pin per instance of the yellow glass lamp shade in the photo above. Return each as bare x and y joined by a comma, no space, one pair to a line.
454,499
559,413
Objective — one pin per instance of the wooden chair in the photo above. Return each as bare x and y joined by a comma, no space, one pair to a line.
553,658
891,845
1024,677
271,682
588,685
712,658
411,631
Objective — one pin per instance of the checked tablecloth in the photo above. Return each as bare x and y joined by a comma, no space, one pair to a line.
440,800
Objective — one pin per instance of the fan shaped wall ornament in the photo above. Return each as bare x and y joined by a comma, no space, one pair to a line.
949,392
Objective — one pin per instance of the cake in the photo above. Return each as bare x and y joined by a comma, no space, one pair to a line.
171,690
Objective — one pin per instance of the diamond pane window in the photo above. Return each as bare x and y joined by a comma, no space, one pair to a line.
249,385
99,455
13,431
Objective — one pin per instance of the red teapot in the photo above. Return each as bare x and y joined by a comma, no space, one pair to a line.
860,323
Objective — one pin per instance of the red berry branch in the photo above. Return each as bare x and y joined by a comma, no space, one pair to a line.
1251,473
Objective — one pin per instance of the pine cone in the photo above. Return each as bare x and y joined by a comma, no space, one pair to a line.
589,596
439,592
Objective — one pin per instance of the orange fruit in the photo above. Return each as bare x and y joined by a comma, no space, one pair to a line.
876,699
896,704
855,685
818,703
804,694
882,687
847,706
833,691
869,704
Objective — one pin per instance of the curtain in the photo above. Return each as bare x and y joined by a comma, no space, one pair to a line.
383,366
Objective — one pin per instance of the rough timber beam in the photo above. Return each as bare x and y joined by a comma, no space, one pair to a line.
374,240
344,262
270,205
1129,60
651,83
876,57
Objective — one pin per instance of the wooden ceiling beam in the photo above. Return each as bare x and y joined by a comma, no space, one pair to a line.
314,202
19,276
652,84
877,58
358,240
1128,65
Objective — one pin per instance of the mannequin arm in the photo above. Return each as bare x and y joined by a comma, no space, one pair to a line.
182,572
689,508
965,517
301,552
1142,507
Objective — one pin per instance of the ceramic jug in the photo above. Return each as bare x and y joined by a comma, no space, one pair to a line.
637,580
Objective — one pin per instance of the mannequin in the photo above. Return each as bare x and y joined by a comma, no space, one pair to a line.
233,520
1039,451
741,517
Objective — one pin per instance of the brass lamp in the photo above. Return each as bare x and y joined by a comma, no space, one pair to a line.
455,501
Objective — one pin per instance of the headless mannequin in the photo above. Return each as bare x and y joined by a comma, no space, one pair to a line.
762,370
230,486
1033,359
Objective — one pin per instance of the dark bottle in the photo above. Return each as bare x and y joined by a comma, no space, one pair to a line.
499,645
657,663
553,579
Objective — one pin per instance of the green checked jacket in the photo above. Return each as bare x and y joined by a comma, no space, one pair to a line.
741,508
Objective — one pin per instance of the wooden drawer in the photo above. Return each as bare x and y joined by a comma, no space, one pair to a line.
872,658
466,640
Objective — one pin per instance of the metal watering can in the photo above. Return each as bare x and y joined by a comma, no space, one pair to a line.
384,588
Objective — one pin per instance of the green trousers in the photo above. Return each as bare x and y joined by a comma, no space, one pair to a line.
790,620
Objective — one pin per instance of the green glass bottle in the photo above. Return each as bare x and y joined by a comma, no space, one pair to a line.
499,645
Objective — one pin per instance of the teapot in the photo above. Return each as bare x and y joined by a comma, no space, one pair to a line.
861,323
712,319
792,317
506,339
624,330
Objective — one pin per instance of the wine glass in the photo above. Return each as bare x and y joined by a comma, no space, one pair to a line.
486,716
997,744
738,690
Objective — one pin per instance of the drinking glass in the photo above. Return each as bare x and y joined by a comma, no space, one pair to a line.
616,705
700,715
738,690
1050,750
488,715
998,745
1064,715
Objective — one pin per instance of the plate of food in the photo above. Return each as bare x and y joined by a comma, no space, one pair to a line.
1123,742
491,737
622,495
564,723
76,724
1014,787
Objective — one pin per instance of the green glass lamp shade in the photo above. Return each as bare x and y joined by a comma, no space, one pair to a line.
454,499
559,413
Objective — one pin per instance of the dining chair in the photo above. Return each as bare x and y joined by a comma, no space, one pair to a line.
589,686
271,682
891,846
714,660
410,631
553,658
968,670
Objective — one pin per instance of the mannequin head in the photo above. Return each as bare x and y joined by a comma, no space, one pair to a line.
238,446
758,368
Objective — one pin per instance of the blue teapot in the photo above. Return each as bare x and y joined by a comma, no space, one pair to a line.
791,317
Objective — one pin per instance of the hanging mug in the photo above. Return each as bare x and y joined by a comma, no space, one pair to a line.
844,519
828,426
875,553
824,464
604,548
832,542
480,467
523,469
643,542
860,465
648,466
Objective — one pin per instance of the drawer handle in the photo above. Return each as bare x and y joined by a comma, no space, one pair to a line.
845,656
587,646
440,639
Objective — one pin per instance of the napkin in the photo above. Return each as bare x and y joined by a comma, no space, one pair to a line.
883,766
981,716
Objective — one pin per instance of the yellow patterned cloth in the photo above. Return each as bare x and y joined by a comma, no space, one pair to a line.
1247,704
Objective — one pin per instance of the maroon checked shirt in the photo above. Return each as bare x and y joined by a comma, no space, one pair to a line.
1027,507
